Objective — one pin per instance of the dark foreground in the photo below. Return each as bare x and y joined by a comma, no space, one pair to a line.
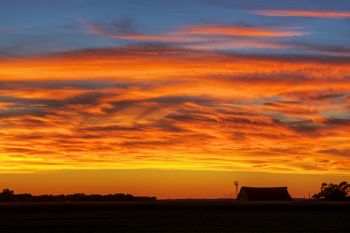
175,216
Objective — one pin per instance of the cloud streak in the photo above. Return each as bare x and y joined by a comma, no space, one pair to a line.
305,13
203,36
156,106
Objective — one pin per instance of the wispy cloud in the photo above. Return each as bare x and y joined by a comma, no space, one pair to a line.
204,36
158,106
304,13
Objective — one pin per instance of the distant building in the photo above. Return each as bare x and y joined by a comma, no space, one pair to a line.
264,194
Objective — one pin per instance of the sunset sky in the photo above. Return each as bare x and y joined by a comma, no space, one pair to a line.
174,98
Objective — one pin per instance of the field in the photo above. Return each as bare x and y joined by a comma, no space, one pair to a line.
175,216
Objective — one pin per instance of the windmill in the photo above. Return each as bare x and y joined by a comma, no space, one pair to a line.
236,184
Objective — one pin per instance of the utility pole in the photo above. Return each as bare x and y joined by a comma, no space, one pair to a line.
236,184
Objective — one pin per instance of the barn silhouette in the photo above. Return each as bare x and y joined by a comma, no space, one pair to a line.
264,194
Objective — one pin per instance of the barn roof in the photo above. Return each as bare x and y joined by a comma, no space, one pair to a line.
264,194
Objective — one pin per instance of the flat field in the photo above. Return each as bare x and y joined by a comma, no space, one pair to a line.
175,216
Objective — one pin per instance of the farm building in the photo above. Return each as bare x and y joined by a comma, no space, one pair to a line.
264,194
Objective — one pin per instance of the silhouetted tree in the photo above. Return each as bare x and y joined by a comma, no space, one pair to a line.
7,195
333,192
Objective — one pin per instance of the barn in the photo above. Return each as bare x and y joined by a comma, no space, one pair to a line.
264,194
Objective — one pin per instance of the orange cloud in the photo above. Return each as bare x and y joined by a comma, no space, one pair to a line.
206,36
304,13
174,108
222,30
142,63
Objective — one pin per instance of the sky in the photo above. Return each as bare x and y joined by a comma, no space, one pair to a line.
174,98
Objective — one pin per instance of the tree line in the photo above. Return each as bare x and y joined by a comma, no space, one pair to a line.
328,192
8,195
